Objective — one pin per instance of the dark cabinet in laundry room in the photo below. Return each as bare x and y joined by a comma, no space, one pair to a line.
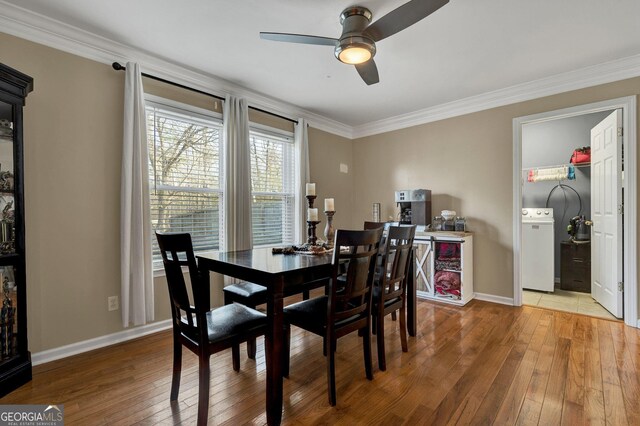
575,264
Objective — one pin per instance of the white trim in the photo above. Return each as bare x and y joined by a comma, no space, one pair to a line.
628,106
607,72
41,29
98,342
494,299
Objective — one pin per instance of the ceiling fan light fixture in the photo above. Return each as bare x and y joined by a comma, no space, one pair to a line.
355,50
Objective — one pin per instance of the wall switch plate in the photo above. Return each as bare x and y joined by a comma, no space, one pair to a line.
344,168
112,303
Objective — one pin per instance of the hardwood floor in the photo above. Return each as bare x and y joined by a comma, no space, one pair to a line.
481,364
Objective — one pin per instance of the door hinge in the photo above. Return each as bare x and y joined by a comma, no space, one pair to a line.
621,209
620,131
620,286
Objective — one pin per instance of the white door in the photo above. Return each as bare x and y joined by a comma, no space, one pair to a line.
606,197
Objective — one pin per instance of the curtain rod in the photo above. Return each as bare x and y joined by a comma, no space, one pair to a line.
118,67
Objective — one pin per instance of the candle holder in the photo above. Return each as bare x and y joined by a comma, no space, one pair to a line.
311,199
328,229
311,231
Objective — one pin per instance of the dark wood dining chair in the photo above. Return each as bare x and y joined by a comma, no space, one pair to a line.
202,331
346,307
390,290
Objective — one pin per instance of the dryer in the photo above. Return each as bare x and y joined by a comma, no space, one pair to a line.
537,249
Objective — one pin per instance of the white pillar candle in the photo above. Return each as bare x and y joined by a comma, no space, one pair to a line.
329,205
312,215
311,189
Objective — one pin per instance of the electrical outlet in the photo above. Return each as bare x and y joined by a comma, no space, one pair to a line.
344,168
112,303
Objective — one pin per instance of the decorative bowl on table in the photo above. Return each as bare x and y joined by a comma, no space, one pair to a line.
448,214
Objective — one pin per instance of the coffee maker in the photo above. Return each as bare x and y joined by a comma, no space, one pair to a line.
415,206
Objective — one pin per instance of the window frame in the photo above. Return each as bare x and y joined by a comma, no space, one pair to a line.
198,116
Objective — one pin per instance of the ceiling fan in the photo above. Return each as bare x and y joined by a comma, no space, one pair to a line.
357,44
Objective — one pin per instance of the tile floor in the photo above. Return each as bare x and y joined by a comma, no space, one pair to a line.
569,301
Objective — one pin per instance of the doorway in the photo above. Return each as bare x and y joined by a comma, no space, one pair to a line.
570,197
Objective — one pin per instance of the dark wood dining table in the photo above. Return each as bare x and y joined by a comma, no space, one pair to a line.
281,274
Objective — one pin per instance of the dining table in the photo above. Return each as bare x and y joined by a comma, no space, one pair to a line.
281,274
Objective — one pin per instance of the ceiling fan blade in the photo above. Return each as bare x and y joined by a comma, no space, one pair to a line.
299,38
402,17
369,72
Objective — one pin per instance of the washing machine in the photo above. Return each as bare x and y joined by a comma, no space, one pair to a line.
537,249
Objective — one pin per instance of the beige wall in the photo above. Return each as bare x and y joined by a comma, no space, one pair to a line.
73,134
467,162
326,153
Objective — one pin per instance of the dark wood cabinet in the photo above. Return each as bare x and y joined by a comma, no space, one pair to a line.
575,266
15,359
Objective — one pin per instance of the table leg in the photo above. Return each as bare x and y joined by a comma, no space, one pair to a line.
411,296
273,346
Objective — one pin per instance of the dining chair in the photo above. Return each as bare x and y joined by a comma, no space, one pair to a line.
381,252
390,290
383,239
345,308
201,330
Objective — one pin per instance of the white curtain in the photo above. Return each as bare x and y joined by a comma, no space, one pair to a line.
237,203
135,224
302,177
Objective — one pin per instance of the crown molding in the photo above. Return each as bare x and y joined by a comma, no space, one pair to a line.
43,30
607,72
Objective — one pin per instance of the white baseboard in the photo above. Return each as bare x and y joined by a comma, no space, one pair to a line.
98,342
495,299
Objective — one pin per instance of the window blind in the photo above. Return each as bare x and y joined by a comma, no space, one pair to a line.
272,188
185,172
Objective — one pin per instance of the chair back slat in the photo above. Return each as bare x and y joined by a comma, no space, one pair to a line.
397,255
380,261
177,252
352,297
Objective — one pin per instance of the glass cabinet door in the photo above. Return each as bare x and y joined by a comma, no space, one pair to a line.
7,181
8,314
8,289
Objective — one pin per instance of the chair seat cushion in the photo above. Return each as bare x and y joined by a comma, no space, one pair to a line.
246,289
309,314
231,321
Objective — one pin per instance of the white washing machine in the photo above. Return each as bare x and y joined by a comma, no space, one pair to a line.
537,249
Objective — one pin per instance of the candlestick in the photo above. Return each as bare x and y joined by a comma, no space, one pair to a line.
310,189
312,215
329,205
310,200
311,232
329,232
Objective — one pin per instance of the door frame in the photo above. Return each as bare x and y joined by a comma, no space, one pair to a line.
629,139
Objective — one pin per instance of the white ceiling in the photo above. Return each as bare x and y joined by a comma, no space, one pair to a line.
467,48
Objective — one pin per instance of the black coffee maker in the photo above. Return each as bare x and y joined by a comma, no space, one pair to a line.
415,206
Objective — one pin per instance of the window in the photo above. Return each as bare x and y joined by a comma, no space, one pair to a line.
185,169
272,187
